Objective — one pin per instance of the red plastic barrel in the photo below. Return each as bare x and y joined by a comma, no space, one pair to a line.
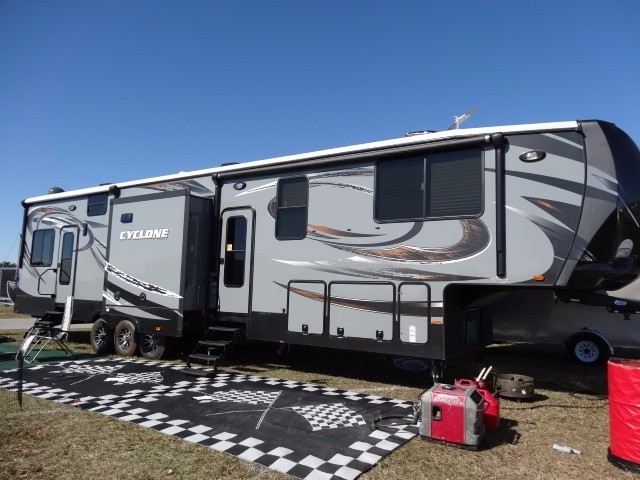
624,413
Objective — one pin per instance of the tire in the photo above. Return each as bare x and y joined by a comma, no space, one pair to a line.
153,346
588,350
125,338
101,338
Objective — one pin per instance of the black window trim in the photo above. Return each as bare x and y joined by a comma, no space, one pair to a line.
427,219
63,258
33,237
226,252
278,209
95,196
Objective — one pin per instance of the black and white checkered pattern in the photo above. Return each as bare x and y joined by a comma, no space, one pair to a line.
87,369
252,397
133,378
332,415
336,444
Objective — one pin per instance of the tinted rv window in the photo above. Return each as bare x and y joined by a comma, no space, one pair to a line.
97,204
66,258
42,247
234,255
429,186
293,204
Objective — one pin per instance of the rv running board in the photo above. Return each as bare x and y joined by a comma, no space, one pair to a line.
215,343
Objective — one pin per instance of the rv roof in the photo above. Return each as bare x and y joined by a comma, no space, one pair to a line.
397,142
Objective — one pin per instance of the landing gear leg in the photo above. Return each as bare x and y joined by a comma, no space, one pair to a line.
437,370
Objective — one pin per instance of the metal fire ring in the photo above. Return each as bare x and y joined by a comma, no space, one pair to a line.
512,385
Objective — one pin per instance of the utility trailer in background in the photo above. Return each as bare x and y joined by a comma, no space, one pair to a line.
400,247
590,334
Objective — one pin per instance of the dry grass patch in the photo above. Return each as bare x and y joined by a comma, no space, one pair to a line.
6,311
52,441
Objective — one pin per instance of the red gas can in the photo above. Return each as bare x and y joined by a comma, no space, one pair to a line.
491,416
452,414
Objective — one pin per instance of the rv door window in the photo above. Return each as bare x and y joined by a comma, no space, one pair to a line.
66,258
234,252
42,247
439,185
293,204
97,204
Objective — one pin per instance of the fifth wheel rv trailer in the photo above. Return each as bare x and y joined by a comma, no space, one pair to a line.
397,247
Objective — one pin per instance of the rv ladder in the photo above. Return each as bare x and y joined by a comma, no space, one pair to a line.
215,343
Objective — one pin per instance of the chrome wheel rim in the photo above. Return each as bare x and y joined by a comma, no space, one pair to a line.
150,342
100,336
125,337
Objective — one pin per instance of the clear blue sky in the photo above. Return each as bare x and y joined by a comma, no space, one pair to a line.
108,91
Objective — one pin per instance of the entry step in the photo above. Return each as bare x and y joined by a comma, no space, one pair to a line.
213,343
201,357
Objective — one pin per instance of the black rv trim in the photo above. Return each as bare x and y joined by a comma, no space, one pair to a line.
355,157
498,140
25,219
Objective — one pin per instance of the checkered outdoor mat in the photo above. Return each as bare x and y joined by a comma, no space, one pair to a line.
304,430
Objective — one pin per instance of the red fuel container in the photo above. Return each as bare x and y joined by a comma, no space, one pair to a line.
491,416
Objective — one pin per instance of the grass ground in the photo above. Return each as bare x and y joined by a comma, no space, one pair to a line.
47,440
6,311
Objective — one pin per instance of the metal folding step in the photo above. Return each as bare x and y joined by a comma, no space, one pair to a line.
205,359
215,343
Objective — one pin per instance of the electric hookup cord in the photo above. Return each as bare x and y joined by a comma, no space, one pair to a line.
414,418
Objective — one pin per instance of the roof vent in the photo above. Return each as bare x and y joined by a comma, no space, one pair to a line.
228,164
53,190
419,132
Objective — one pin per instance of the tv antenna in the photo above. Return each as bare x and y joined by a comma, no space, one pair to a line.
459,119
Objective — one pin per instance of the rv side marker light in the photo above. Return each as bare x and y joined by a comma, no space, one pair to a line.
533,156
539,278
158,329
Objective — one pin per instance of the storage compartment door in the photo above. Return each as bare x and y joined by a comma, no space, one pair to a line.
306,307
362,310
414,300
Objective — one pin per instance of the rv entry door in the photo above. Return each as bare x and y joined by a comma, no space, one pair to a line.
236,260
67,251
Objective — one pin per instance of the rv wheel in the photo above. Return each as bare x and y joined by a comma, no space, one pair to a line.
125,338
588,349
101,338
152,346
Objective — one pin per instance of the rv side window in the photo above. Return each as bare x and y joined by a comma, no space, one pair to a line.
439,185
293,204
234,255
42,247
97,204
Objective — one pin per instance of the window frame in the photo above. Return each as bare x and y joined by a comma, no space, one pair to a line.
280,209
103,204
425,192
66,260
228,253
42,231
